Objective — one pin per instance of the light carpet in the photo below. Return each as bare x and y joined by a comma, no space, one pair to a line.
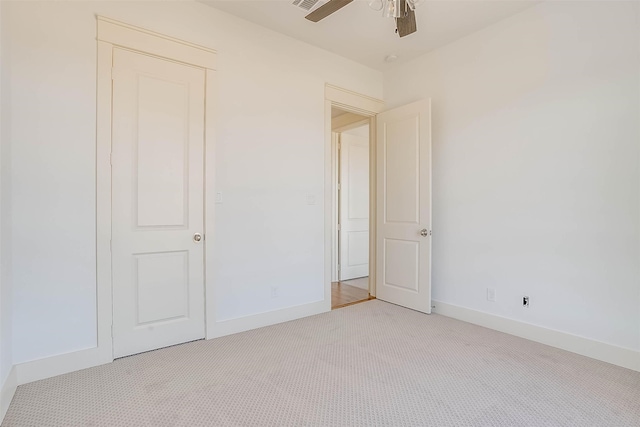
369,364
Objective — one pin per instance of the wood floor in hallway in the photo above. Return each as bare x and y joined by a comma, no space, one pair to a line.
345,293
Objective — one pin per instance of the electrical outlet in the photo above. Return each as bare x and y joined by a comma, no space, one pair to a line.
491,294
274,292
525,301
219,197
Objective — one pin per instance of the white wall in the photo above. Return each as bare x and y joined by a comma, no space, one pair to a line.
536,167
2,344
270,138
5,216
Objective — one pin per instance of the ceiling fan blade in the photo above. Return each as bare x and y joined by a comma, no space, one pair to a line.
327,9
406,25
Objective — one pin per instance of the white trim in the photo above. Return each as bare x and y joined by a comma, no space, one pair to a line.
125,35
366,106
329,205
335,141
53,366
353,102
103,200
209,199
7,391
625,357
241,324
373,200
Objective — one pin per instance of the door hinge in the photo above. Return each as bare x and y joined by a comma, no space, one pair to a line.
339,227
339,187
112,330
339,267
111,159
110,245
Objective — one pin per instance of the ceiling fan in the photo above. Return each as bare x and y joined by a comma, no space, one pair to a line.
401,10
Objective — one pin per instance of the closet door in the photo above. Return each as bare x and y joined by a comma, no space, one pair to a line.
157,202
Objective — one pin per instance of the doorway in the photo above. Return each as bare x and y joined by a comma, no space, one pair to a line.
399,196
351,139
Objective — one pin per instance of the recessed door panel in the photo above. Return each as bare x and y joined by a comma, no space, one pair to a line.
358,248
162,149
157,202
358,177
401,184
402,260
162,282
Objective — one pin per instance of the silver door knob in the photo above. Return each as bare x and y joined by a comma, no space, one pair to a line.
424,232
197,237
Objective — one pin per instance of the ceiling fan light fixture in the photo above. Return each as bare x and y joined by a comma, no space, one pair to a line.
392,9
414,3
376,5
402,11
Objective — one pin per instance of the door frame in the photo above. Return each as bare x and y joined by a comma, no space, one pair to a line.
112,34
365,106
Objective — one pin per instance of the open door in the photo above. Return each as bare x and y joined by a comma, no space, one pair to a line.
404,206
354,203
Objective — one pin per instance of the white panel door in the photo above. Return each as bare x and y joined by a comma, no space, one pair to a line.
354,205
404,206
157,202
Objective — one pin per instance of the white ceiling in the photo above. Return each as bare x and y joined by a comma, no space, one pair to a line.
362,34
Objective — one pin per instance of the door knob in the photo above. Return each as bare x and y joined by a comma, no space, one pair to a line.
197,237
424,232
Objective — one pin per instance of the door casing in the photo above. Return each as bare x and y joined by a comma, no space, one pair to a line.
111,34
365,106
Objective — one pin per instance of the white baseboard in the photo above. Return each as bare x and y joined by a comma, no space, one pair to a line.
57,365
609,353
49,367
7,390
241,324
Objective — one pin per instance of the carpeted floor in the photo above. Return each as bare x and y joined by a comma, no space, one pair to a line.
368,364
